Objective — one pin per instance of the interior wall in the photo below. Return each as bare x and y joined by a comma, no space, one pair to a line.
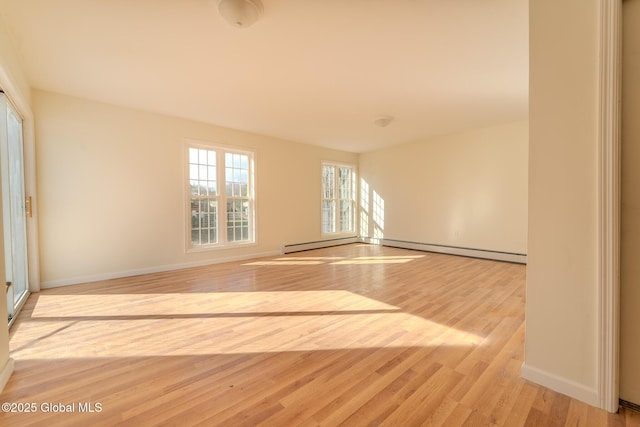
111,189
561,345
630,212
11,71
464,190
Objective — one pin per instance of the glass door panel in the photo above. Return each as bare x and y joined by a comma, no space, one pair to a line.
13,206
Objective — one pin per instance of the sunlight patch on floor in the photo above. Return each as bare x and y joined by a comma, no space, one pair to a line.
397,259
310,258
371,261
201,336
95,326
208,303
284,263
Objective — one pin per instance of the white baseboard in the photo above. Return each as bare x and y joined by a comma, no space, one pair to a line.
453,250
561,385
156,269
6,372
299,247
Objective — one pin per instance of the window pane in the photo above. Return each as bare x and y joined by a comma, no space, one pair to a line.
238,220
193,171
193,155
346,215
236,173
202,172
345,183
328,216
202,157
328,182
203,221
232,219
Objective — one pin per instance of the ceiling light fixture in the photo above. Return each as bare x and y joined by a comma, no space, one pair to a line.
240,13
383,121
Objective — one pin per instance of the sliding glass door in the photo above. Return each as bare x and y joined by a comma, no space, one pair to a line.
14,208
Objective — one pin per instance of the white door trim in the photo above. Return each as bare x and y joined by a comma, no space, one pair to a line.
609,203
21,102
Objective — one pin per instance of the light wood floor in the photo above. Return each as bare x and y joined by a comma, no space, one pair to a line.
355,335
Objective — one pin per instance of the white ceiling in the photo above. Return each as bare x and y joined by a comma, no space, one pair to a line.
311,71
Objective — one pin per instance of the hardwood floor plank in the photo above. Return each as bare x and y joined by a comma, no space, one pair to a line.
458,416
559,410
577,415
632,419
429,395
522,405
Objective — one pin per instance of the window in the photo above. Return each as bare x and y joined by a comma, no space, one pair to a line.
220,196
338,198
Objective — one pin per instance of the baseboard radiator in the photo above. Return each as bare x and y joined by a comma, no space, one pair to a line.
630,405
426,247
453,250
307,246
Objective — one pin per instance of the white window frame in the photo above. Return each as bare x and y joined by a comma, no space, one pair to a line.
354,200
222,197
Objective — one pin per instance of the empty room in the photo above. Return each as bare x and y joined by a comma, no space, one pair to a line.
283,213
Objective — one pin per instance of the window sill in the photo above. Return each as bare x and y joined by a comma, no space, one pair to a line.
218,247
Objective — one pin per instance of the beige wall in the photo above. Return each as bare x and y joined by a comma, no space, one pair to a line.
465,190
11,72
111,186
562,296
630,227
